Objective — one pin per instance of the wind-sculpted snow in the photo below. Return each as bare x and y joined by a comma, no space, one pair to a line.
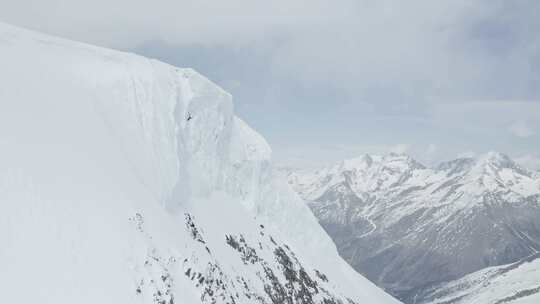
406,226
126,180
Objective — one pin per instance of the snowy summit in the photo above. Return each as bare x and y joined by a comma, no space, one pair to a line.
127,180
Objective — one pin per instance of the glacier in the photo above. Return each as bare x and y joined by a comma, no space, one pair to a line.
127,180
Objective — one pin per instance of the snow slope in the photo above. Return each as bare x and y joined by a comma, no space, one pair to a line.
517,283
405,226
127,180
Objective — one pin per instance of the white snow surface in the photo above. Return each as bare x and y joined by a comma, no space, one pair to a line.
102,156
517,283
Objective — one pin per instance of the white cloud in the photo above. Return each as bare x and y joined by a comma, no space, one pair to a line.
521,129
431,149
418,49
467,154
400,148
489,116
395,67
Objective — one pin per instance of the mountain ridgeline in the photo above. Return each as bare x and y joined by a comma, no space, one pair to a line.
126,180
407,227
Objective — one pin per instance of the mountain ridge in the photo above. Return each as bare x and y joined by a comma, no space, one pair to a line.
124,179
406,226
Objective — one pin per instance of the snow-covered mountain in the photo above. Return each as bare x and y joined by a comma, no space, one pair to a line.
516,283
126,180
406,226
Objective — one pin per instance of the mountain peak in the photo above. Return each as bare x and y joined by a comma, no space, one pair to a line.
400,161
491,161
496,161
151,179
456,165
496,158
363,161
403,158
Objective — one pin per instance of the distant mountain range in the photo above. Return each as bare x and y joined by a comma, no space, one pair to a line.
408,227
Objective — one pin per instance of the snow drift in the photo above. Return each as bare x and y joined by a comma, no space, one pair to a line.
127,180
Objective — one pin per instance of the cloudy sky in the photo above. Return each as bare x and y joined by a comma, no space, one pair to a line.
325,80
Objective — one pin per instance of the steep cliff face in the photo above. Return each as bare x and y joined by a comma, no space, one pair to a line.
126,180
406,226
